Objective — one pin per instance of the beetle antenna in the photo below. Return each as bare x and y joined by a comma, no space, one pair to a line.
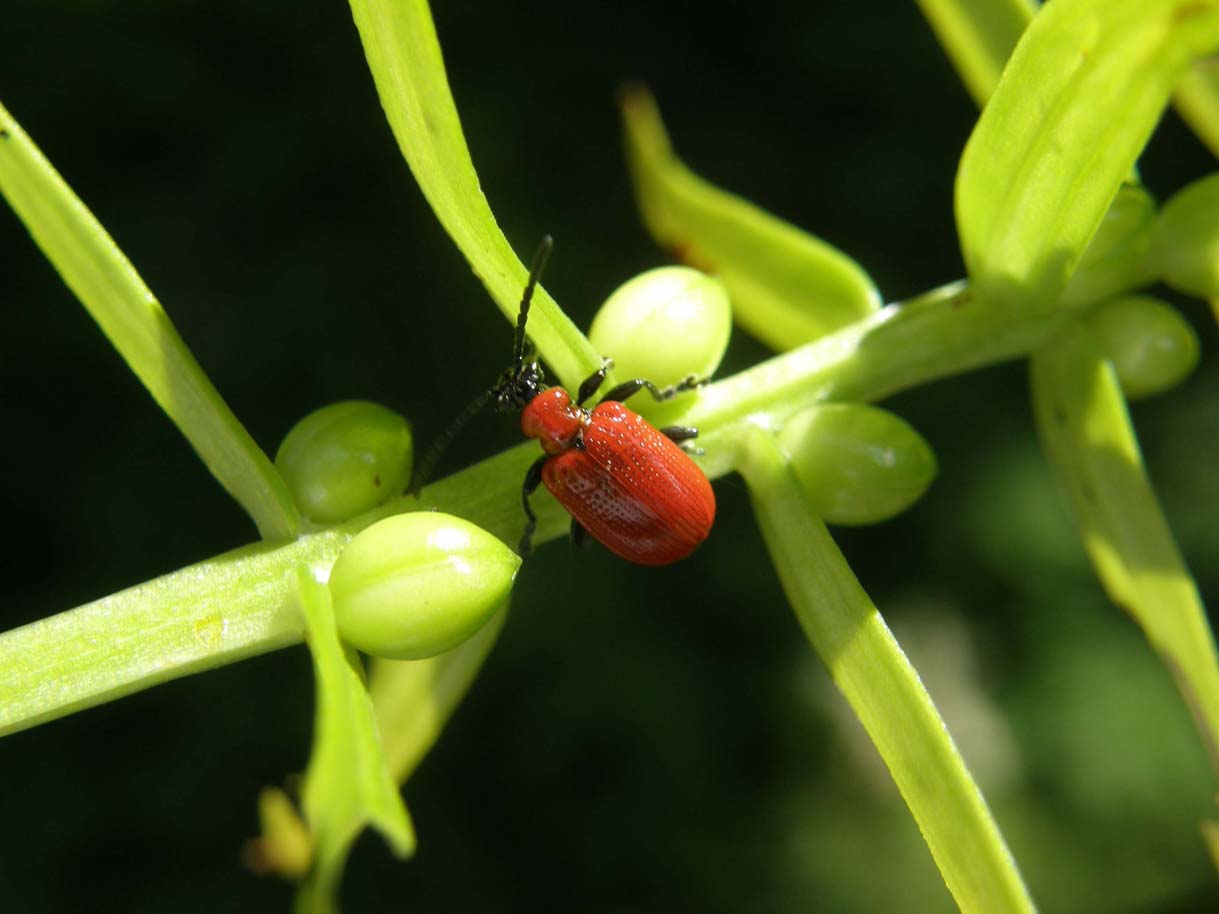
512,386
423,472
535,272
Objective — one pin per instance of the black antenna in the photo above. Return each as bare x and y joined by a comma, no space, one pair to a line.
423,472
506,384
539,264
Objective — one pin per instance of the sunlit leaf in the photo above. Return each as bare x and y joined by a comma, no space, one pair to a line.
883,689
1086,431
404,56
978,37
109,287
347,784
1075,106
787,286
1197,101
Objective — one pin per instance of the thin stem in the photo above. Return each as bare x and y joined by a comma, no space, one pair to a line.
242,603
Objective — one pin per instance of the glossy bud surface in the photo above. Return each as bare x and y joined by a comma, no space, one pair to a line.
416,585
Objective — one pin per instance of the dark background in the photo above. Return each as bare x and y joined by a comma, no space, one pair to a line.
640,739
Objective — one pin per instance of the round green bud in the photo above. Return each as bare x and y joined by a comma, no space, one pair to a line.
344,459
1152,347
665,325
858,464
416,585
1185,248
1117,257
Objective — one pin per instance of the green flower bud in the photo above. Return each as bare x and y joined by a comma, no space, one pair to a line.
1152,347
344,459
665,325
858,464
416,585
1117,258
1185,248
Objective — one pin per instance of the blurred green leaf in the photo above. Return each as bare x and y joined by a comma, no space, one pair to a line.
347,784
1210,834
1086,431
133,320
1079,98
884,690
787,286
978,37
1197,101
413,699
404,57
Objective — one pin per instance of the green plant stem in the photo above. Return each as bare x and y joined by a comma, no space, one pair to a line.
883,689
243,603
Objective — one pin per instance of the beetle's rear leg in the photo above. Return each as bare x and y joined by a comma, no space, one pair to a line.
533,478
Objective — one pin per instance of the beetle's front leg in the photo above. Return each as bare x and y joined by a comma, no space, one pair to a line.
533,478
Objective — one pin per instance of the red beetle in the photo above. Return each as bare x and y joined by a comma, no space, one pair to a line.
621,479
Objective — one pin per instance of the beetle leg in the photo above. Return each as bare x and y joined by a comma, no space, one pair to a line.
593,381
578,533
628,388
533,478
680,434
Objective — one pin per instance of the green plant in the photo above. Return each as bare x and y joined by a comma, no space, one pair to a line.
1020,245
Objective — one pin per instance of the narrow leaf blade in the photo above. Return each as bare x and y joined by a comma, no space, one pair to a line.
108,286
347,784
978,36
404,57
1197,101
1086,431
787,286
883,689
1075,106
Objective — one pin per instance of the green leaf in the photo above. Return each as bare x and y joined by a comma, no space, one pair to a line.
1076,104
978,37
108,286
1085,429
347,784
1197,101
414,698
404,56
787,286
1210,837
883,689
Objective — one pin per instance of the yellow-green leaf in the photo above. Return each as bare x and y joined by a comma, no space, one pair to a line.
408,69
131,317
347,784
1197,101
1086,431
978,37
883,689
787,286
1075,106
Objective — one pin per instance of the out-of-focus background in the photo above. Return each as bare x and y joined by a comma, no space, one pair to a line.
640,740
